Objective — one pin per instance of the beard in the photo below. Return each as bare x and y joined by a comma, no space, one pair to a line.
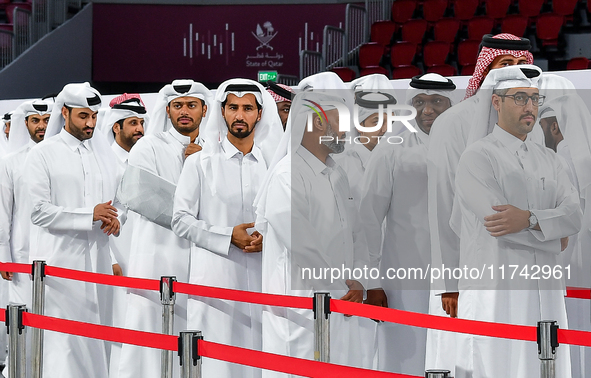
334,145
241,134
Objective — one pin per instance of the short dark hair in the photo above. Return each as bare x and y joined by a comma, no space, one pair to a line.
120,123
69,108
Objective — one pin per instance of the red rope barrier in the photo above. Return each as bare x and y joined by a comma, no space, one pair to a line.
578,292
244,296
573,337
104,279
284,364
16,268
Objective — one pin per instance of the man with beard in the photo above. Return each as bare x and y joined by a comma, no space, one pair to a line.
282,94
29,124
309,220
123,124
154,166
72,178
213,209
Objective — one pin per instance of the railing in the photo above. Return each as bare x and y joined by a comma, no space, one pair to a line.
40,20
356,31
22,31
311,62
5,47
378,10
290,80
334,51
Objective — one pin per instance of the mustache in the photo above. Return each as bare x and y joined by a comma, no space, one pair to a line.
184,117
527,115
242,123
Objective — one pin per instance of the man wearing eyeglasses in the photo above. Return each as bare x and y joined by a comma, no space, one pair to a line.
513,211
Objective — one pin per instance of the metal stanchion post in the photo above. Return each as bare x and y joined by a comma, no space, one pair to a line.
167,297
436,373
16,341
38,308
322,327
547,344
189,354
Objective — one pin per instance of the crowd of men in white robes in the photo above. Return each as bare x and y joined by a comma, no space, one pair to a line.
248,187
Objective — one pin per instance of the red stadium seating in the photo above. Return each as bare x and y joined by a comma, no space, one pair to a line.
530,9
479,26
548,27
374,70
565,8
346,74
446,30
497,9
406,72
10,9
382,31
579,63
468,52
435,53
433,10
370,54
413,31
443,70
402,10
468,70
514,24
402,54
465,9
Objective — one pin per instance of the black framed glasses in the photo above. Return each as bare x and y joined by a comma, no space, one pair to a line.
521,99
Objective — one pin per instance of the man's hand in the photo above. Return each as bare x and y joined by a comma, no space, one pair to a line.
563,243
7,275
508,220
104,212
376,297
241,238
256,245
191,149
111,227
449,302
355,293
117,271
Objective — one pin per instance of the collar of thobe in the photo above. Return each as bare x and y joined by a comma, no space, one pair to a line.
183,139
511,142
362,152
317,166
229,150
121,153
561,146
420,134
73,142
31,143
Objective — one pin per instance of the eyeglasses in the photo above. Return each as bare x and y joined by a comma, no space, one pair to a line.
521,99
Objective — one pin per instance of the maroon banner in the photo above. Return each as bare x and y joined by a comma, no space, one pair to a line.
160,43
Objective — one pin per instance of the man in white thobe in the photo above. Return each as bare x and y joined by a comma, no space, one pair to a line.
213,208
563,121
308,219
282,94
123,125
147,188
394,190
516,206
72,180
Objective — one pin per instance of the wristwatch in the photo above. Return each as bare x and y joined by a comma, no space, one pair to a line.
533,220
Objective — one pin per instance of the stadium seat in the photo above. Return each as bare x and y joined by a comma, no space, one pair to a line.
374,70
497,9
565,8
530,9
370,54
548,28
406,72
7,27
514,24
579,63
403,10
345,73
479,26
413,31
435,53
468,70
464,9
443,70
10,9
446,29
402,54
382,32
468,52
433,10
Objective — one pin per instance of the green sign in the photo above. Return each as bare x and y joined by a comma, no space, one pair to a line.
267,76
